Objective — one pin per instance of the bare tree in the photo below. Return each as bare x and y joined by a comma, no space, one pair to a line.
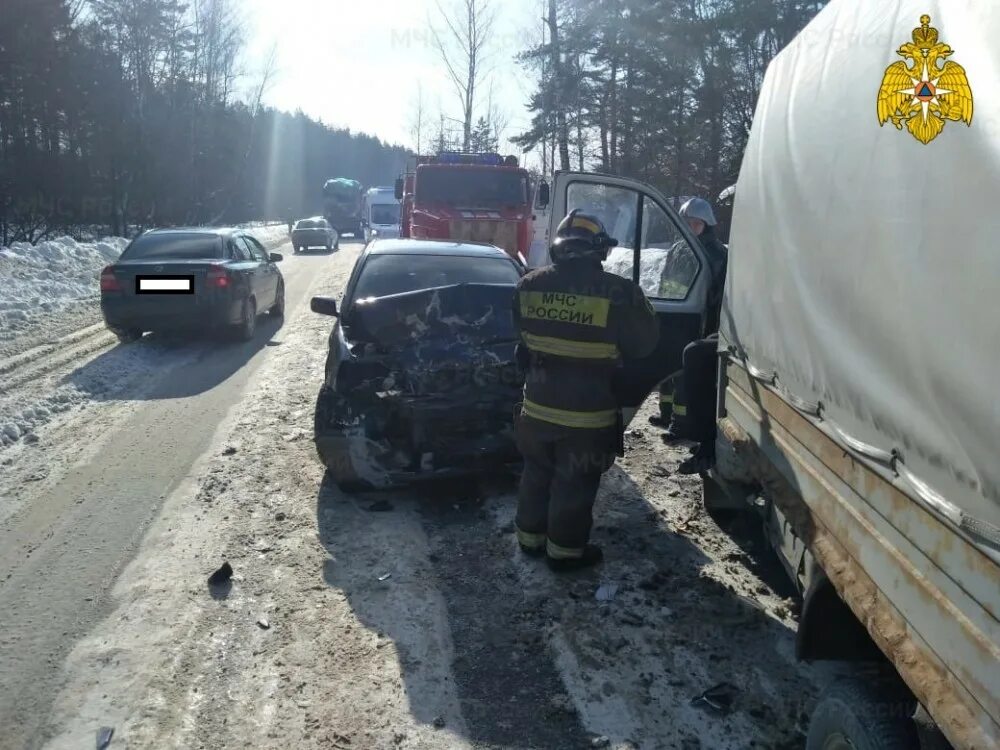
219,36
418,118
464,49
497,118
263,84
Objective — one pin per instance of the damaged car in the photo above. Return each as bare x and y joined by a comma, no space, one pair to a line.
421,376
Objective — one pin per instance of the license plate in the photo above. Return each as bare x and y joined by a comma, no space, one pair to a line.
164,284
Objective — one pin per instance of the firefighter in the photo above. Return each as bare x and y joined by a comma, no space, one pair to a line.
694,391
577,322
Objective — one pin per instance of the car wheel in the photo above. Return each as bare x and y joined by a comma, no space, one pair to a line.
338,465
247,326
863,715
125,335
278,308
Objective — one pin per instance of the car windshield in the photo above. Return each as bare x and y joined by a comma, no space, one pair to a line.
395,274
175,246
385,213
471,187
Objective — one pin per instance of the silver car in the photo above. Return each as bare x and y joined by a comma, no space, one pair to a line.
314,232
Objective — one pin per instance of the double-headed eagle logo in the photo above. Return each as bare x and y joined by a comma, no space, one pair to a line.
924,90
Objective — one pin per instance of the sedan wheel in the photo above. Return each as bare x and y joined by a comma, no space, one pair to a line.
247,326
278,308
125,335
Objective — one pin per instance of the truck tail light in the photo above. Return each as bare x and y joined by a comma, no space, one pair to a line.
217,277
109,282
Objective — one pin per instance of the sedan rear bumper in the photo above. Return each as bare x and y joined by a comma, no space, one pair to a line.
312,237
167,313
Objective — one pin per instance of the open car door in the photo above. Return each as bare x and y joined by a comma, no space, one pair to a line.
657,250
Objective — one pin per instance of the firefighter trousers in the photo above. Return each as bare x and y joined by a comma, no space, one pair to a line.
695,393
559,482
667,390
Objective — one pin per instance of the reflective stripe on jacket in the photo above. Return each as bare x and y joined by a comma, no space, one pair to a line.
578,322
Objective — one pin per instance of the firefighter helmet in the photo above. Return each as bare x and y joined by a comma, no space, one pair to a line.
581,235
699,208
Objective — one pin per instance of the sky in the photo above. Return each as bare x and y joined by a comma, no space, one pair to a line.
361,64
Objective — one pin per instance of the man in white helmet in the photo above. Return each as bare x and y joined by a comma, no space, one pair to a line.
687,403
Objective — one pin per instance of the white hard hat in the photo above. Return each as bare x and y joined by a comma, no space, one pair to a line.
699,208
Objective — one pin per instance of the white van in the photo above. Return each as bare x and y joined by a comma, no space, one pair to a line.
381,214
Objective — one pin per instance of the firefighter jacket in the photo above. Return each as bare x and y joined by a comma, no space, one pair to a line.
577,322
718,256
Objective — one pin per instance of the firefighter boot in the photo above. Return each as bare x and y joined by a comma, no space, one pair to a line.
662,419
591,556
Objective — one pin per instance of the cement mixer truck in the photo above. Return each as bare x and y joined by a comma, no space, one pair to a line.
342,199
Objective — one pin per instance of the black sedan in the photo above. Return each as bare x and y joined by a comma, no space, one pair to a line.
191,280
421,376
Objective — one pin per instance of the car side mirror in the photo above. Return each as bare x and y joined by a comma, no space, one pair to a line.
399,189
543,195
324,306
276,257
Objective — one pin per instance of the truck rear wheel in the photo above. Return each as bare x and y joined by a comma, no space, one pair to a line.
874,714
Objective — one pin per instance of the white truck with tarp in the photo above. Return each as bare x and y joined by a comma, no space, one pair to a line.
859,356
860,353
381,213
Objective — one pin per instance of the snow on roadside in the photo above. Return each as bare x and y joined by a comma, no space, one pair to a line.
269,235
49,277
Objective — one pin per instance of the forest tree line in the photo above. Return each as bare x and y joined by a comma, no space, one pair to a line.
660,90
132,113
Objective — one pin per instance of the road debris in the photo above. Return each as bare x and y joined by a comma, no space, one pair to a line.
229,451
439,722
104,735
632,619
263,624
719,698
606,592
222,575
385,577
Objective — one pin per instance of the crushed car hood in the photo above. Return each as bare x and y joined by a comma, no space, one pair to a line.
431,383
464,314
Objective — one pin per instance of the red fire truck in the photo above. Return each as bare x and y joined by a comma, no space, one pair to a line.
467,197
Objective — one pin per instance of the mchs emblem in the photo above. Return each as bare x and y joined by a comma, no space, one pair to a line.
924,90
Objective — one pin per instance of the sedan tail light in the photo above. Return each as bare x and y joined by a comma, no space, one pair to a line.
109,282
217,277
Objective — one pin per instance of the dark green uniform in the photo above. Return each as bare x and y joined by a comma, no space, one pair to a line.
576,322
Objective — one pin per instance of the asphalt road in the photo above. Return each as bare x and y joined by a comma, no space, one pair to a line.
61,552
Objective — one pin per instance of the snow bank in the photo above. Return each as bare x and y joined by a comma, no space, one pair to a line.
269,234
50,276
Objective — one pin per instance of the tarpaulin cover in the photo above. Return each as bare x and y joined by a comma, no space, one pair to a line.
865,265
342,188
